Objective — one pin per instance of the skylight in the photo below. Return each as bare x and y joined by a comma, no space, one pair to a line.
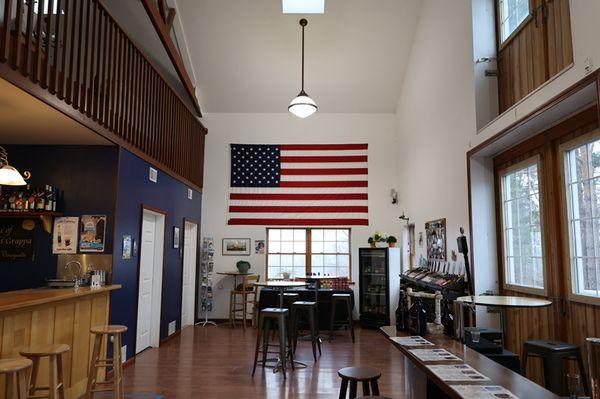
303,6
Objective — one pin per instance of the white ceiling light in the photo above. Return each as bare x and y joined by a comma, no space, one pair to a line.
302,105
303,6
10,176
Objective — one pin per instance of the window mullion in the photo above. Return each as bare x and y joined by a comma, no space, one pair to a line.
308,262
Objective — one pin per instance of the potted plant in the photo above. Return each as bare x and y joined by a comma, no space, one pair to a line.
377,240
391,240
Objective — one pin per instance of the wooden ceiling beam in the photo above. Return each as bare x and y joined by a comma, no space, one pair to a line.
162,18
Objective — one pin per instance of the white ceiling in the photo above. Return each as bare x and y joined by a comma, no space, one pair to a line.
27,120
246,54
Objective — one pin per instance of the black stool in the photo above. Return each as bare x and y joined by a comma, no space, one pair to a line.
553,354
353,375
309,309
373,397
289,298
267,317
349,322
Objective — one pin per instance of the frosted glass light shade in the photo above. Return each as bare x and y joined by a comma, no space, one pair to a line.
302,106
9,176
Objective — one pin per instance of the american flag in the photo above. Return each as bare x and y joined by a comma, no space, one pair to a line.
299,185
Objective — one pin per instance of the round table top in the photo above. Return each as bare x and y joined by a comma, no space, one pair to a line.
281,284
235,273
506,301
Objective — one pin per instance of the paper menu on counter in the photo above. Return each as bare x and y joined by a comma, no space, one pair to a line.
483,392
434,355
457,372
414,340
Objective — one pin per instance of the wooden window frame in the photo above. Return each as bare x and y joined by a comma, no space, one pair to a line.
503,43
308,250
565,206
500,172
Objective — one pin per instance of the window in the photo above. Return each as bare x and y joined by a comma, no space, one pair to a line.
522,232
302,251
583,197
511,14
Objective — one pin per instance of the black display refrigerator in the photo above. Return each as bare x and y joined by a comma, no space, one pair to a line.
379,286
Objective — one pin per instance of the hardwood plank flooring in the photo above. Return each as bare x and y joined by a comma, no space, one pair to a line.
216,362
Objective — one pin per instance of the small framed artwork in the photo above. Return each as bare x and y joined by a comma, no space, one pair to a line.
259,246
126,247
436,239
175,237
236,246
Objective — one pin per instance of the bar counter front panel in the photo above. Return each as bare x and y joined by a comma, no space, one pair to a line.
60,316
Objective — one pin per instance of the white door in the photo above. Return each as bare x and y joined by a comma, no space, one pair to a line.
150,280
188,289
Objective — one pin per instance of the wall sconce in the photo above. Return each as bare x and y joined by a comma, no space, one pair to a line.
9,176
394,195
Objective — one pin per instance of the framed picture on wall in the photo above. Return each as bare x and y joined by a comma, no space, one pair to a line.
236,246
435,232
126,247
175,237
92,233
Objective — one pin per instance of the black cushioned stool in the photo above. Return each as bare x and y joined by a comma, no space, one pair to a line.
346,300
353,375
268,316
289,298
553,354
309,310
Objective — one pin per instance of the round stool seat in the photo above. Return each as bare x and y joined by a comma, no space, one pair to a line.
359,373
305,303
45,350
13,365
108,329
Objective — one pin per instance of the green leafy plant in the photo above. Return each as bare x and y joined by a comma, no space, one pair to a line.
391,240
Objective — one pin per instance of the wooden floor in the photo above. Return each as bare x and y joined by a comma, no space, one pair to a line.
216,362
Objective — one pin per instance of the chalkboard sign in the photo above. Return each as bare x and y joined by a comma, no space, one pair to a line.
16,239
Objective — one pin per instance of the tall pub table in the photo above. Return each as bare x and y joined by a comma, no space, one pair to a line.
281,286
503,303
235,274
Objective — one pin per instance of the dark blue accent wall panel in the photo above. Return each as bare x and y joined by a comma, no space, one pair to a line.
170,196
87,179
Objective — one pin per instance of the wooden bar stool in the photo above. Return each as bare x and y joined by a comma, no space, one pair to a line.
246,291
96,362
346,300
353,375
16,369
54,353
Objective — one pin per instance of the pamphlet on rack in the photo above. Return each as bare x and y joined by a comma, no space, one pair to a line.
483,392
457,372
414,340
434,355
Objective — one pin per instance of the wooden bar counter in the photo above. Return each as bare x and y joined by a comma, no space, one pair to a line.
61,316
421,377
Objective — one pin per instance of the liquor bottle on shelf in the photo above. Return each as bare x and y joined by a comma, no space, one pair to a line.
49,200
40,199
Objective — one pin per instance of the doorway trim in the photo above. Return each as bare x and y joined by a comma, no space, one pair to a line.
164,214
196,268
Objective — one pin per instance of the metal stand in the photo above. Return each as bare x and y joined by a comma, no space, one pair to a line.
206,270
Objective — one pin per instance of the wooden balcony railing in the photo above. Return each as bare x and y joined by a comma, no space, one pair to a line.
75,50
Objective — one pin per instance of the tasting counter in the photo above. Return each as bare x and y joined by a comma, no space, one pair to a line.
48,315
422,383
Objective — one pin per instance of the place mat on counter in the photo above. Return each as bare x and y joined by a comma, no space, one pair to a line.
483,392
434,355
457,372
414,340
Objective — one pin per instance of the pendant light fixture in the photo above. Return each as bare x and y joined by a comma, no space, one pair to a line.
302,106
9,176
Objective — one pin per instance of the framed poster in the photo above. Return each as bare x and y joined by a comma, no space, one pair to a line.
16,239
126,247
435,232
92,233
236,246
259,246
64,235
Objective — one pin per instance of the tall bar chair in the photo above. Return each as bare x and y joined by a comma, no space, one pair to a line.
54,353
246,291
17,372
101,333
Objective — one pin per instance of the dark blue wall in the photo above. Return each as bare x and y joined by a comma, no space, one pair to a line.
86,176
170,196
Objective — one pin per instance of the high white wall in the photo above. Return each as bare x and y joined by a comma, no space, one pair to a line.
435,118
378,130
